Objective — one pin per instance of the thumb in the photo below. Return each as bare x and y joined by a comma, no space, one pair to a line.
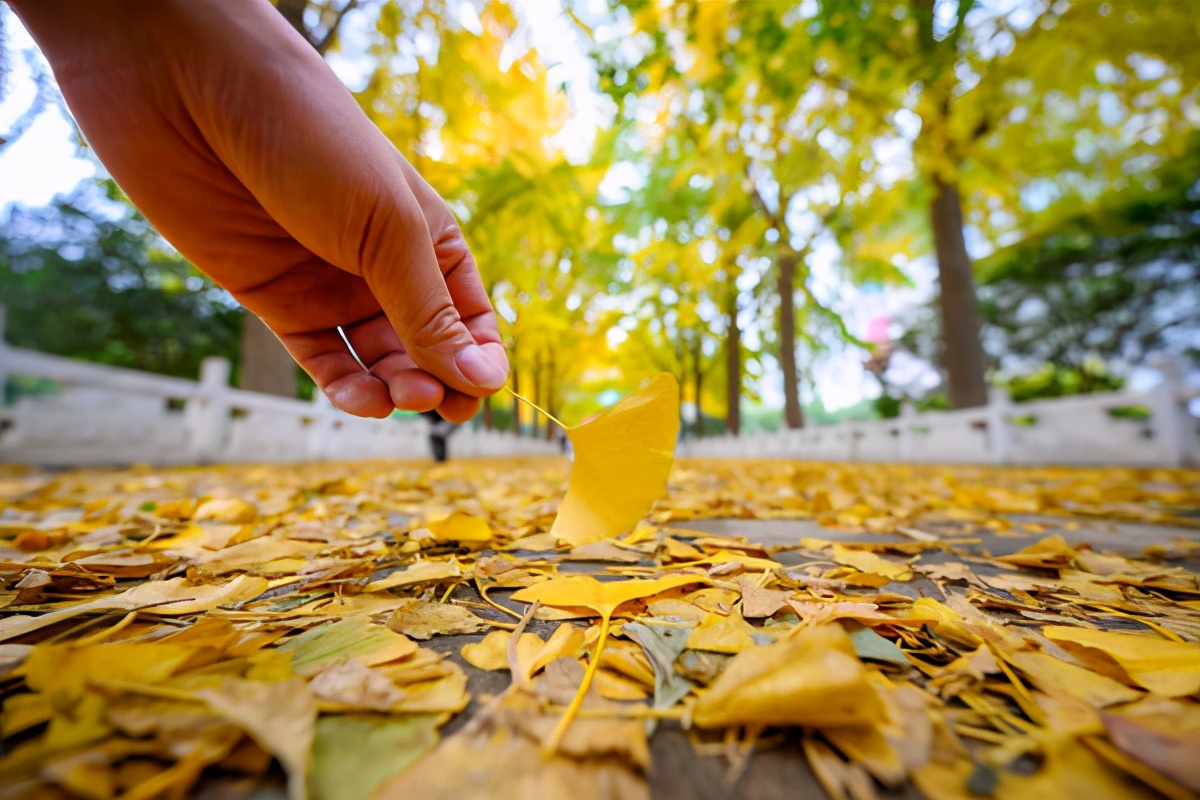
438,305
487,364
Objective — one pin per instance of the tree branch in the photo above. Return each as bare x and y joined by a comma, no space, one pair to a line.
331,34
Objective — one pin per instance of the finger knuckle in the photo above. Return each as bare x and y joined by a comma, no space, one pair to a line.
437,324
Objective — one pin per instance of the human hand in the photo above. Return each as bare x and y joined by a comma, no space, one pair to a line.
240,145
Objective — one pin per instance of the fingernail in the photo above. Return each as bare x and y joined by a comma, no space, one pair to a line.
480,370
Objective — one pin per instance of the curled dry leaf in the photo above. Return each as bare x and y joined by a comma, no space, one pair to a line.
423,620
355,686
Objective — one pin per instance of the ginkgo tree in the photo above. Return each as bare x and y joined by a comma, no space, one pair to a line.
785,155
1010,113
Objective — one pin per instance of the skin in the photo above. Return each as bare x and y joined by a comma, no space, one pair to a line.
245,151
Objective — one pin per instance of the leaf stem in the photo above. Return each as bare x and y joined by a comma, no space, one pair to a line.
519,678
493,603
551,745
537,408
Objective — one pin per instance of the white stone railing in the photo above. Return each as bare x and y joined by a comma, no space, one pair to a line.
1082,430
98,415
101,415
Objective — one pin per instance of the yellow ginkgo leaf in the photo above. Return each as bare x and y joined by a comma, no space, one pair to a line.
280,717
1168,668
225,509
622,459
459,527
722,634
866,561
583,591
492,652
174,597
812,678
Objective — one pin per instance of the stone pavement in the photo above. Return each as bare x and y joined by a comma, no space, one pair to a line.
779,771
776,770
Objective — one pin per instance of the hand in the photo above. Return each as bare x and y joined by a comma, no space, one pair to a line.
239,144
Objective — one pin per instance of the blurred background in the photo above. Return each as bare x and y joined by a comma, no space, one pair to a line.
806,211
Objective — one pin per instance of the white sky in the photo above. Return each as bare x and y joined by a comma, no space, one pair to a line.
46,161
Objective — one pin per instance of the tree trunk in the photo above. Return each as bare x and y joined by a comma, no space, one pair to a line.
962,350
786,285
551,396
488,423
266,365
536,391
733,363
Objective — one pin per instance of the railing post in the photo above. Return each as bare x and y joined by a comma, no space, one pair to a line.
1169,418
320,433
908,414
208,412
999,428
3,356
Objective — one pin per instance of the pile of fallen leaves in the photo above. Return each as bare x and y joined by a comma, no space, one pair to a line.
171,632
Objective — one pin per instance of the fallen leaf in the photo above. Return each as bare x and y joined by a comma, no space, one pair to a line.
839,779
603,598
461,527
1168,668
496,763
444,694
870,645
1052,552
281,717
868,562
722,634
1165,735
175,597
420,572
423,620
603,551
225,509
354,753
811,678
663,644
583,591
1058,678
492,652
563,643
353,685
624,739
757,602
353,638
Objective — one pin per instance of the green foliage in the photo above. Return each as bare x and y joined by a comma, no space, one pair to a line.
1115,282
88,278
1052,381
